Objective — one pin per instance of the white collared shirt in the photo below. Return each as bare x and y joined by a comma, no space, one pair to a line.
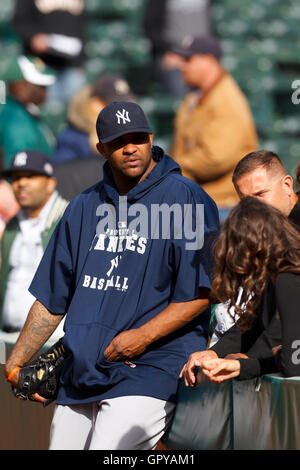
25,255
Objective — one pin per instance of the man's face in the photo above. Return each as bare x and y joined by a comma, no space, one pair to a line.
194,69
26,92
31,190
38,94
273,189
130,156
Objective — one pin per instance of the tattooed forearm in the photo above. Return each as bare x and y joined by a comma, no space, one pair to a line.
39,326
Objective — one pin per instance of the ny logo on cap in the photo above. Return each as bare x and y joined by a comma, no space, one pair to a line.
20,159
124,116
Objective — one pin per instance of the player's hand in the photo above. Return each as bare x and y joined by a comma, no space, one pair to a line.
126,345
218,370
14,382
15,378
195,360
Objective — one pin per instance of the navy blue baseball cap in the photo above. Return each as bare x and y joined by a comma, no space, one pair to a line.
30,160
120,118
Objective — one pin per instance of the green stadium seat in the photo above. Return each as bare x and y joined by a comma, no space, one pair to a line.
114,8
287,149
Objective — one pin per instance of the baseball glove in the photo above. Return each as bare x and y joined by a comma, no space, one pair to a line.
42,375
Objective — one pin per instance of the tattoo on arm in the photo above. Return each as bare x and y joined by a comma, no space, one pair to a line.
39,326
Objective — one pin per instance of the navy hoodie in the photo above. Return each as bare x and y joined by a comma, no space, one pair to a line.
114,277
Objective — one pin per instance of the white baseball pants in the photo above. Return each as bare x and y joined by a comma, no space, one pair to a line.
123,423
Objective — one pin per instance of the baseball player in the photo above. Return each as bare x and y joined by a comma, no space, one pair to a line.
135,298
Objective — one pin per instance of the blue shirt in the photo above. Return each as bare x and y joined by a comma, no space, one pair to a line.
107,280
71,144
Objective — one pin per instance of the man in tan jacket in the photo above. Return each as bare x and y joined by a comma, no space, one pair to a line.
214,127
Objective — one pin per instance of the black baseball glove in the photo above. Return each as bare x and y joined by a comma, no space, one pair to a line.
42,375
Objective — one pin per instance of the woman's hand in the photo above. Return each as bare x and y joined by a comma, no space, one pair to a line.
218,370
195,360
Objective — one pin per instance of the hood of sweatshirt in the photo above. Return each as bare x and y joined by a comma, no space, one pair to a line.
164,166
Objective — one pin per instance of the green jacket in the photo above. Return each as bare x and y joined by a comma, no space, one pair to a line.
19,131
10,233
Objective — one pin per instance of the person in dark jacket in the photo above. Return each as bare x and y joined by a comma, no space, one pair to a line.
166,23
55,32
77,175
258,250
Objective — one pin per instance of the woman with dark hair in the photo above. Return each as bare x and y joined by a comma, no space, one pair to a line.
258,250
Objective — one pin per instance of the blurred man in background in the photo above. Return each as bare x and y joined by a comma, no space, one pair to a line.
166,23
78,140
21,126
214,127
262,175
27,234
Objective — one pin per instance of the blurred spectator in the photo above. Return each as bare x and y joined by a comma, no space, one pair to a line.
214,127
78,139
27,234
54,31
262,175
265,262
166,23
21,127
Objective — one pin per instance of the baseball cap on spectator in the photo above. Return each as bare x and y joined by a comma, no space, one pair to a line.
192,45
120,118
30,160
31,69
112,87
